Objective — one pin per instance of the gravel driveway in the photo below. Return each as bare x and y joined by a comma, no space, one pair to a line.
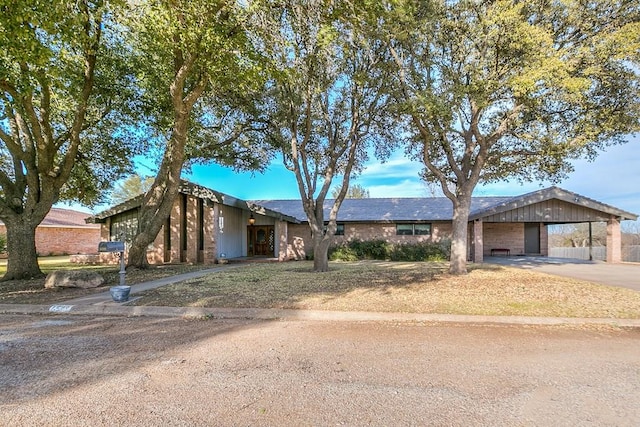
148,371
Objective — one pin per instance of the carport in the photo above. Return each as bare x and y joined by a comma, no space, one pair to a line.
518,226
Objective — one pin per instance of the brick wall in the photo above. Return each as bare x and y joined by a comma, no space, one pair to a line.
156,250
504,236
55,240
299,235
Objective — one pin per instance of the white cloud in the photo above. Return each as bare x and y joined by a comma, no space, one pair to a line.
404,188
396,167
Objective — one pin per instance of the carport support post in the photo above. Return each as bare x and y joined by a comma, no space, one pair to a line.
478,245
614,240
590,242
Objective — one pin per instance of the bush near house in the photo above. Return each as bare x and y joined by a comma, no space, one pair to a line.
355,250
3,243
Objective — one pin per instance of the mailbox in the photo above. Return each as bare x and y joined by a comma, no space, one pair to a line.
111,247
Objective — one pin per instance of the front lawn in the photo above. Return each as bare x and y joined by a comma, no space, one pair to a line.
416,287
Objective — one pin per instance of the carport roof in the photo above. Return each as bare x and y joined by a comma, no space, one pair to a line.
550,193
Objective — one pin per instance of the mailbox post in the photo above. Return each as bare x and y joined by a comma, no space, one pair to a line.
119,293
115,247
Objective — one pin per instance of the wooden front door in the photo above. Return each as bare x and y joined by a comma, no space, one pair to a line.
260,240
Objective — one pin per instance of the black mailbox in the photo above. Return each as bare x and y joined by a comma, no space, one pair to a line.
111,247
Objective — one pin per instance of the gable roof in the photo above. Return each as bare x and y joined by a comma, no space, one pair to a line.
550,193
436,208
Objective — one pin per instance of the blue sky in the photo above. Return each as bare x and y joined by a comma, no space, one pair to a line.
613,178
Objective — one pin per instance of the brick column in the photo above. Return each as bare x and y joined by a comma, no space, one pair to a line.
544,239
614,241
478,244
282,233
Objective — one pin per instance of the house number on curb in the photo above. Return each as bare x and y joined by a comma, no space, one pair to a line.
60,308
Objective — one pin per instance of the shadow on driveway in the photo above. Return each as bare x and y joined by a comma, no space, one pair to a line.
624,275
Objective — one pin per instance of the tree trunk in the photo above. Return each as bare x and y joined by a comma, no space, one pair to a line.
460,224
22,258
157,204
158,201
321,254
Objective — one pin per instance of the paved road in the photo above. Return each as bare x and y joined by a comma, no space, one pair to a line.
79,370
625,275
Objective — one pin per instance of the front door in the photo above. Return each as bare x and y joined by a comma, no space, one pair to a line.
532,238
260,240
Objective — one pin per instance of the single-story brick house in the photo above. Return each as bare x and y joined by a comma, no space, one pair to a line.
206,226
64,232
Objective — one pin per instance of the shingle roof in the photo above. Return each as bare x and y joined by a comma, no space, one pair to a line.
436,208
58,217
385,209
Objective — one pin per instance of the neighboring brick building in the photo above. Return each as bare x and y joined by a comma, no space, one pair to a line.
206,226
64,232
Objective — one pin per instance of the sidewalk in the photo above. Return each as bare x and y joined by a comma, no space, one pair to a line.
103,304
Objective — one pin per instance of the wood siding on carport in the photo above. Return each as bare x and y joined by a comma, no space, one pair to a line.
548,211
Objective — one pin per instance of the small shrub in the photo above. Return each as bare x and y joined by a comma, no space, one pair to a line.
3,243
343,253
355,250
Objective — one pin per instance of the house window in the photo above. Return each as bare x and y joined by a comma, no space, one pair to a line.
124,226
339,230
413,229
422,229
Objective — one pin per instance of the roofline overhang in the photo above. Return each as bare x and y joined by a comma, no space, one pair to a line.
548,194
210,196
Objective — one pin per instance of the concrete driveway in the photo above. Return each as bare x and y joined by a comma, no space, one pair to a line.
626,275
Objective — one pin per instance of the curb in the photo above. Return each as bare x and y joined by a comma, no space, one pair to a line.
114,309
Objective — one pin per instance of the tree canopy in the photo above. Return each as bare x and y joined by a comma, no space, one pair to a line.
506,89
63,97
325,102
197,71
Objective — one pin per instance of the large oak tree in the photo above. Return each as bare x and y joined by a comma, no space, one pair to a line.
61,86
197,72
326,103
503,89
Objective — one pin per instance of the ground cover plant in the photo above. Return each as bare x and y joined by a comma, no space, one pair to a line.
412,287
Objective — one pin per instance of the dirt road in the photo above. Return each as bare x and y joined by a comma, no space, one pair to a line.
72,371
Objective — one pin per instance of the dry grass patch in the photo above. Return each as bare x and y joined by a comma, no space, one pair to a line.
33,292
400,287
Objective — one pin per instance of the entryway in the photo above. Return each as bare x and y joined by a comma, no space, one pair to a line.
260,240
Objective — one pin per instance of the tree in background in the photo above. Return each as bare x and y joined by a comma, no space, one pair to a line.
326,103
196,69
132,186
355,191
505,89
62,86
577,235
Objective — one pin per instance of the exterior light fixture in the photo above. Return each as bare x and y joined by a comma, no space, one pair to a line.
252,220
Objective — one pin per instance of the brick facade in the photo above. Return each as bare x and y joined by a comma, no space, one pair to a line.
58,240
299,243
52,240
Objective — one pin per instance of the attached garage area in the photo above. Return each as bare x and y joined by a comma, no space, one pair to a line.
519,226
